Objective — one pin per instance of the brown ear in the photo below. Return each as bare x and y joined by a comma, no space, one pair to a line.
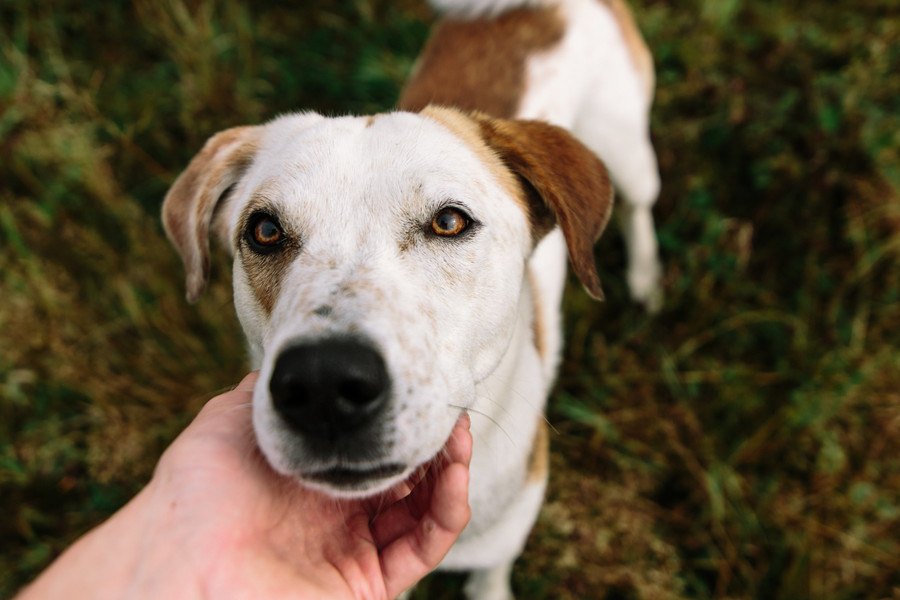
192,200
566,184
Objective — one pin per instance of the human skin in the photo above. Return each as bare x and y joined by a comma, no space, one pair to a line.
216,521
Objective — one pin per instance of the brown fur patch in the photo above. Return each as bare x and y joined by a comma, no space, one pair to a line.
265,272
191,203
538,327
634,41
480,64
568,183
468,130
539,459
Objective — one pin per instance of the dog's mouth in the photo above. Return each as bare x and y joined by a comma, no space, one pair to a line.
350,478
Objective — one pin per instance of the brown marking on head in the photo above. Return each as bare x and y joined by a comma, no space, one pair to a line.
539,329
468,130
565,183
193,201
265,272
370,120
539,458
480,64
634,42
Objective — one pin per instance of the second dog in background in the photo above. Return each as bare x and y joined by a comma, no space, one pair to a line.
578,64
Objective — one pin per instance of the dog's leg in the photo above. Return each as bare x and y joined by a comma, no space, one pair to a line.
490,584
499,545
624,145
644,270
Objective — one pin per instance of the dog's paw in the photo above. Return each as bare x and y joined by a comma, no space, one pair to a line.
490,584
645,284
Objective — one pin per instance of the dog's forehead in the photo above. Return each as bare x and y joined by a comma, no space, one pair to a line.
379,155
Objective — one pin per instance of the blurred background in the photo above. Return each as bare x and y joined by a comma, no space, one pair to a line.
743,443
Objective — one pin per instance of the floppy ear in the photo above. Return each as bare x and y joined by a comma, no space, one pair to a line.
198,192
565,183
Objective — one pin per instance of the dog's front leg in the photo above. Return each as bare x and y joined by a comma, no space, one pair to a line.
490,584
644,270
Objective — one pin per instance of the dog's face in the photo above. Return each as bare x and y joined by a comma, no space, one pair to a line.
378,274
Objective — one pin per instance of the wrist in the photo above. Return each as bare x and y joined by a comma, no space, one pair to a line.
157,540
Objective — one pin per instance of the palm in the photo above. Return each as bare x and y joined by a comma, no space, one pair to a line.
270,537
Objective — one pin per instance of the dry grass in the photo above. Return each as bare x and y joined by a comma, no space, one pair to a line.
745,443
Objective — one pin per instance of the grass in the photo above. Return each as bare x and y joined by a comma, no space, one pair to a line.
744,443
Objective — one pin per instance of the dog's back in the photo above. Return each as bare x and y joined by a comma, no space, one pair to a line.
533,60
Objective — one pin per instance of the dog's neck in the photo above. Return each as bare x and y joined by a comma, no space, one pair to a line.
514,394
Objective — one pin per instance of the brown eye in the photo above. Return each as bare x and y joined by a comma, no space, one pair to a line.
449,222
264,233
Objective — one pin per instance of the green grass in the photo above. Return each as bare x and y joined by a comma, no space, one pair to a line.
744,443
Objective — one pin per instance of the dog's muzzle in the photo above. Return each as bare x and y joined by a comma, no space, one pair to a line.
332,394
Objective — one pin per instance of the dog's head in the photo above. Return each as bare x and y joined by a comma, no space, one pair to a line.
379,265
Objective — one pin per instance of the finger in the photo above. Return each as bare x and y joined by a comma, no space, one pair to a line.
412,556
241,394
402,515
458,449
459,446
225,420
248,382
229,412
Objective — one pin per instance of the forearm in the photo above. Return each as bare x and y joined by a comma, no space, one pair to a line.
101,564
126,556
142,552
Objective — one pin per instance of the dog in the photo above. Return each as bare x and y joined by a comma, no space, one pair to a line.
393,270
383,278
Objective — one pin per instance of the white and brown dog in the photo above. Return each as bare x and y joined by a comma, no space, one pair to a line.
386,277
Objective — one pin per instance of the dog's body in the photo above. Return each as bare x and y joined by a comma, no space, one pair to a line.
578,64
391,271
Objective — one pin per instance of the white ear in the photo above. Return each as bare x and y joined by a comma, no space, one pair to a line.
192,200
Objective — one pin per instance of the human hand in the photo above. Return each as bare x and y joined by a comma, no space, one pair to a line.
217,521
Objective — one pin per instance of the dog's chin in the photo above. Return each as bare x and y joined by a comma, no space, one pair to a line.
355,483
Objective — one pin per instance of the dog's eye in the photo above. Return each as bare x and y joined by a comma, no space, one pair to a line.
264,232
450,222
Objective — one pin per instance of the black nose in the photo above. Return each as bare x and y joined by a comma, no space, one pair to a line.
329,387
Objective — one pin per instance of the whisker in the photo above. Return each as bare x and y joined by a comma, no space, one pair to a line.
524,398
542,413
489,418
500,405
